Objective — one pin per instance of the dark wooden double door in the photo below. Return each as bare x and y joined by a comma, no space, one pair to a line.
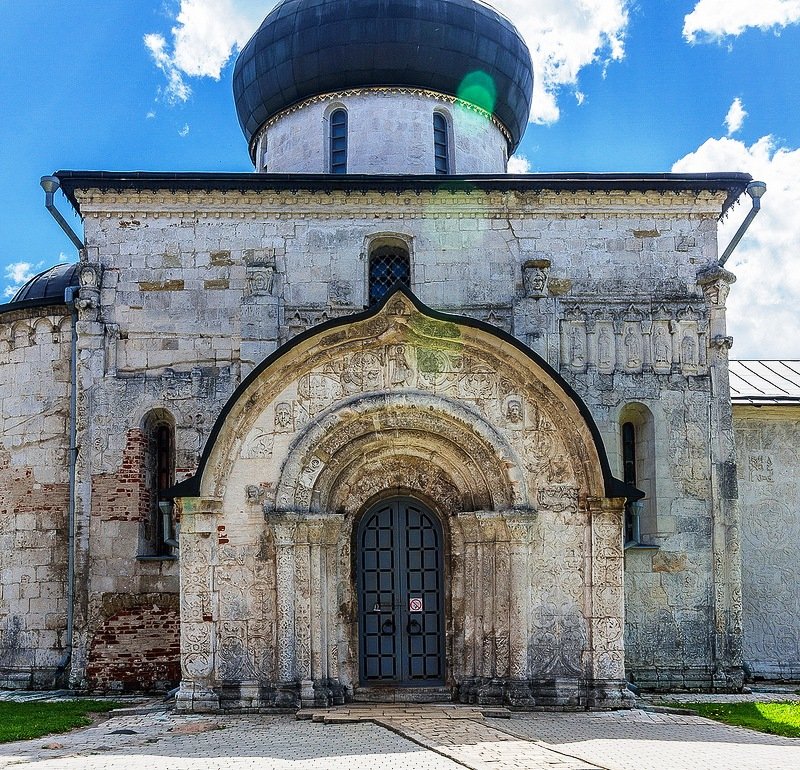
400,595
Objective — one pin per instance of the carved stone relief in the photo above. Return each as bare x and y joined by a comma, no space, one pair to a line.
534,275
633,339
472,429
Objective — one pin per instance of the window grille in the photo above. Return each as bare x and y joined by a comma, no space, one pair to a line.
339,142
388,265
440,144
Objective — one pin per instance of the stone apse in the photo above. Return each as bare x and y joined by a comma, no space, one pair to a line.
323,457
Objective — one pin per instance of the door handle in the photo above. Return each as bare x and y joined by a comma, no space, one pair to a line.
390,623
414,626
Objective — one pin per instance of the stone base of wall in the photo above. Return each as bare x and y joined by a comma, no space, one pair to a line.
786,671
31,678
538,695
694,678
560,694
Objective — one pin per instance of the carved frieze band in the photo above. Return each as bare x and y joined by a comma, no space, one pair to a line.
632,340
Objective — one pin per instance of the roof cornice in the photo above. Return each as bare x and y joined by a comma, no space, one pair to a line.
732,184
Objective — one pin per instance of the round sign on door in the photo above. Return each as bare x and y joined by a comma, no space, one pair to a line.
415,604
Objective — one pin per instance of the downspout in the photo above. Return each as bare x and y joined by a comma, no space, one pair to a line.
70,299
755,190
50,185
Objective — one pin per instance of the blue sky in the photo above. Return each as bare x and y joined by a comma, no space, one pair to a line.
621,86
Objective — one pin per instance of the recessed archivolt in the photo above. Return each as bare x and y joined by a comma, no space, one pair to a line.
530,435
408,441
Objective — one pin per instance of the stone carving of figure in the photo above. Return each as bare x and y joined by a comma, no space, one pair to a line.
260,280
633,348
662,346
514,410
399,370
283,416
576,347
604,348
534,275
100,444
537,282
689,351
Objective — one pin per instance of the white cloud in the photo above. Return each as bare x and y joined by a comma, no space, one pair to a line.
207,34
762,309
713,20
17,273
734,120
184,130
564,36
176,89
519,164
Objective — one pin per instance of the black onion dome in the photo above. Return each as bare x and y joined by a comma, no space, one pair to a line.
306,48
48,286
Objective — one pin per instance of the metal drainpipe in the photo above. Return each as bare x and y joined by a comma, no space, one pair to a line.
755,190
50,185
70,297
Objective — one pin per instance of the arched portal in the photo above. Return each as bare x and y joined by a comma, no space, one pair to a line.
431,424
401,603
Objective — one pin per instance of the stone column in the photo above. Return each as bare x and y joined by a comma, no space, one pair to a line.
467,607
284,526
90,332
728,667
199,518
332,574
521,525
606,613
315,535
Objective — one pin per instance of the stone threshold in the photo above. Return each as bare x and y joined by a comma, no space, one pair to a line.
382,712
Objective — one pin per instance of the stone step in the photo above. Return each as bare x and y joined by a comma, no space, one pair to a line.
402,695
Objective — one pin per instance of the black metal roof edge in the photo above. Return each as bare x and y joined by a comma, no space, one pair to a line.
27,304
765,400
614,487
734,182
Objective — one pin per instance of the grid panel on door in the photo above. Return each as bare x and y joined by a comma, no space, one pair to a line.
400,568
378,589
422,581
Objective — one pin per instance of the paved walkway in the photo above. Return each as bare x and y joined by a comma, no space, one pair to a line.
423,738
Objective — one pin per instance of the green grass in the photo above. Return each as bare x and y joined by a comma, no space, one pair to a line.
775,718
33,719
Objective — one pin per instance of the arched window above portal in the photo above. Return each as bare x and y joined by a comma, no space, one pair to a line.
389,265
638,468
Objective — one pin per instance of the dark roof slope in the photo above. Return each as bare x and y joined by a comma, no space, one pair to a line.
46,288
305,48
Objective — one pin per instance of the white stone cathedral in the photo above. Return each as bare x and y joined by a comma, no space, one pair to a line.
380,421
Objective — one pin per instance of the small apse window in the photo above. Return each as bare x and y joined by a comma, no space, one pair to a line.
441,150
339,142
